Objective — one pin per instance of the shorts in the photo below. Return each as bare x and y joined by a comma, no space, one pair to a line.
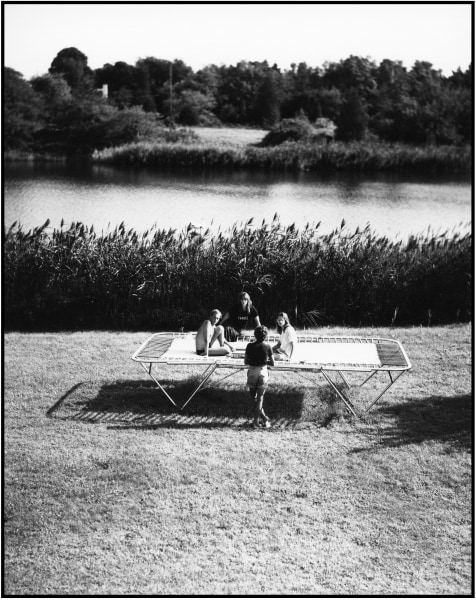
258,378
231,334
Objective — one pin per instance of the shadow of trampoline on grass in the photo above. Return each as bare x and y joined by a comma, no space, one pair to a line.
140,404
436,418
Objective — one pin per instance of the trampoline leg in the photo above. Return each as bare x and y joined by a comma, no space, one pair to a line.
368,378
149,372
223,378
392,381
206,376
347,402
344,379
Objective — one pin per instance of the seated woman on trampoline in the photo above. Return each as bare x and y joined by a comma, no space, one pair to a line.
286,345
208,333
239,317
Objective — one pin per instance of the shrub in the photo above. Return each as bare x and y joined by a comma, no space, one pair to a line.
289,130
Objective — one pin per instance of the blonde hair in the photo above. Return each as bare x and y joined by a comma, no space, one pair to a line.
215,311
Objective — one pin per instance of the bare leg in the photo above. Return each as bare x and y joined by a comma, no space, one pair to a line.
203,335
206,336
259,406
253,393
219,334
259,410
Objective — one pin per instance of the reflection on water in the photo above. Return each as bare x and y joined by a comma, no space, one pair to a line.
104,196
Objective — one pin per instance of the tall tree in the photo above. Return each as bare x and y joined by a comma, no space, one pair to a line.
21,111
355,73
160,77
352,123
123,83
53,91
301,87
270,98
391,100
72,64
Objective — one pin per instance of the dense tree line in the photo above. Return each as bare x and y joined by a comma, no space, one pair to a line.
64,110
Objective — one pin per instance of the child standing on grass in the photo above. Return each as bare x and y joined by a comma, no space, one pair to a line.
208,334
258,356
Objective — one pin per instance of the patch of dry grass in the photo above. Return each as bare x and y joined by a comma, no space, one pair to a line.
236,136
107,491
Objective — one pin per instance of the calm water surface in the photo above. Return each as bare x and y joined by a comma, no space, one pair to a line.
105,196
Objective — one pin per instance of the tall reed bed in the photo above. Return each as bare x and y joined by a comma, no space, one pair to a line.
76,278
296,156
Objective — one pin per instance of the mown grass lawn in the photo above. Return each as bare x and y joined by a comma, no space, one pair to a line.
108,492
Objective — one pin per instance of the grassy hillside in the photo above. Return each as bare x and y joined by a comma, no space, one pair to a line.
107,491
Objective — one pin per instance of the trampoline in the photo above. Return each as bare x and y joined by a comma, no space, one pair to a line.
313,354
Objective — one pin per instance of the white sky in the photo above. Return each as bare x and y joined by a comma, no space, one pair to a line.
225,33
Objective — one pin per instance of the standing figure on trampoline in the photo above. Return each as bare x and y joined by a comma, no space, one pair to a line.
258,356
208,333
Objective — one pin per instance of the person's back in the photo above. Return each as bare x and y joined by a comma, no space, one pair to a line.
258,353
258,356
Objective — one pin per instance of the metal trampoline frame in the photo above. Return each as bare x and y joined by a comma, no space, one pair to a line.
393,360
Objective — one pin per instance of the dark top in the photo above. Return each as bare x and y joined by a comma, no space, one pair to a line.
258,353
239,318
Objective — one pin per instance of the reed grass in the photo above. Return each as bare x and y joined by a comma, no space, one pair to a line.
295,156
119,279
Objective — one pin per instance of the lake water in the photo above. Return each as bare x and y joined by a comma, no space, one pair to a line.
104,196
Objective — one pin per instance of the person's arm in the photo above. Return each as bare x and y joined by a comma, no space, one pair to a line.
246,356
289,353
224,318
270,357
293,341
277,346
200,338
255,315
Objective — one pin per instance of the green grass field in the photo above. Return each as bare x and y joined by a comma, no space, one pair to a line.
108,492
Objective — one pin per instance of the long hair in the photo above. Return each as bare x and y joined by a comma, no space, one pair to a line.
286,322
245,296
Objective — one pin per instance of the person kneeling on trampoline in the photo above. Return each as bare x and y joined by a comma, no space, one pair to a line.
258,356
208,334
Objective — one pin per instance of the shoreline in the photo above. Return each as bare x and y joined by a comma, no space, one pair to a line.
293,157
